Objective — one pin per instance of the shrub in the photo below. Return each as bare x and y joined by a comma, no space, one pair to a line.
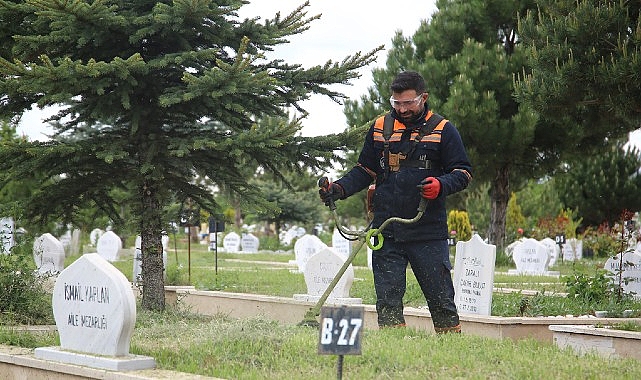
459,221
23,299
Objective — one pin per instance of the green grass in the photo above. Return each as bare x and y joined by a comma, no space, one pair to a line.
259,349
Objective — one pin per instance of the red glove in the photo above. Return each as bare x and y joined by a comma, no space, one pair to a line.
431,188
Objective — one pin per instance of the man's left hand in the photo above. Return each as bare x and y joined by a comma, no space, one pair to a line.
431,187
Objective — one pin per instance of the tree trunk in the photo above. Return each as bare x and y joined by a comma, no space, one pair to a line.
500,195
152,271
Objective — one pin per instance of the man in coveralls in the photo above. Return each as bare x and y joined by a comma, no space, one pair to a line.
416,153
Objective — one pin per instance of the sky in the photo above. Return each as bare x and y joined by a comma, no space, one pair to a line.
345,27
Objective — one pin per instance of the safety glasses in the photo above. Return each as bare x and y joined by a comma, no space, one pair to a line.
405,103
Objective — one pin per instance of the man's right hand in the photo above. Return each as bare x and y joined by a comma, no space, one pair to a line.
331,192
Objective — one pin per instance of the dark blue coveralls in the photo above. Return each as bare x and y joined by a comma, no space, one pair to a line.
423,245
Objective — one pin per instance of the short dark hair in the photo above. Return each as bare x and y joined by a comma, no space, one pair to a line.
408,80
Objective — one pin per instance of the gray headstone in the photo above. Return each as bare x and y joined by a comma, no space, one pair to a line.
474,276
49,254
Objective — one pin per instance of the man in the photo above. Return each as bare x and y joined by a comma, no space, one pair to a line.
419,150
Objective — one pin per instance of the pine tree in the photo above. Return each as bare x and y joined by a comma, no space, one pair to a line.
601,186
586,71
153,95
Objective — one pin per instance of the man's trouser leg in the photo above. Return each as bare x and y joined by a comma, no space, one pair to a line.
389,266
430,262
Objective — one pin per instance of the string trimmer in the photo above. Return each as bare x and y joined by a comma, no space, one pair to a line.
364,237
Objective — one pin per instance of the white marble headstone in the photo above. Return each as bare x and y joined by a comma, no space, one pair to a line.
341,245
94,307
95,312
49,254
553,250
321,269
631,274
572,250
531,257
249,243
474,276
7,230
231,242
306,247
109,245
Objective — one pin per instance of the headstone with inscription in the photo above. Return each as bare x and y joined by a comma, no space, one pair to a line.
49,254
249,243
95,312
531,257
231,242
341,245
306,247
109,246
320,270
572,250
474,276
630,276
7,231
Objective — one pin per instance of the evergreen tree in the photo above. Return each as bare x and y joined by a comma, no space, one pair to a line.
469,53
601,186
153,95
586,63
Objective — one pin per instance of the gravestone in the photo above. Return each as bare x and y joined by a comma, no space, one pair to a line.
286,237
341,245
249,243
7,231
137,262
530,257
631,274
95,312
553,250
306,247
109,246
572,250
474,276
49,254
94,235
231,242
320,270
